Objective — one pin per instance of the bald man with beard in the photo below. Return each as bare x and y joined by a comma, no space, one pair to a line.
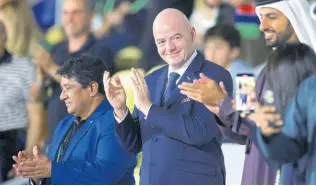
179,137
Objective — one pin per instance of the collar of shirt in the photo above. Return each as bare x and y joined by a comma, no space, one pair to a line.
181,70
79,122
91,40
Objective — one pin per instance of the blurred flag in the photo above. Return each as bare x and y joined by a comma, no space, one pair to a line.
247,21
247,9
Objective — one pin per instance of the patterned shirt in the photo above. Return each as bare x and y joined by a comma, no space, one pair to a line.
16,77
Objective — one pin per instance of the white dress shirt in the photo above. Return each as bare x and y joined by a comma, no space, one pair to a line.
184,67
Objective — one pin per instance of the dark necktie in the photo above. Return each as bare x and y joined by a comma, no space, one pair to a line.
173,77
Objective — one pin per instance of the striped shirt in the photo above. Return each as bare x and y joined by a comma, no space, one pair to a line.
16,78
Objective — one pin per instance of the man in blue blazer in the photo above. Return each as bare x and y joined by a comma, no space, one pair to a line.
84,149
179,137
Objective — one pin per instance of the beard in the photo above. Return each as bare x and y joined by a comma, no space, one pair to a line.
282,37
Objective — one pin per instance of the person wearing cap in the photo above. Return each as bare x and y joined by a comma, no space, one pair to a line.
280,24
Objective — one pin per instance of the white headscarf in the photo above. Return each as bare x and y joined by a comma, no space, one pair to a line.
298,12
312,11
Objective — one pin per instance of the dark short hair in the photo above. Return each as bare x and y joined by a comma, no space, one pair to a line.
287,67
226,32
85,69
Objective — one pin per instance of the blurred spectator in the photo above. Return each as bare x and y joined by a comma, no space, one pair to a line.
20,126
202,18
133,24
20,25
112,31
147,43
225,11
222,46
210,13
114,17
76,21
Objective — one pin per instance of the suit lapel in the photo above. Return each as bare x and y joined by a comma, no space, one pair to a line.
189,75
160,86
80,134
60,137
102,108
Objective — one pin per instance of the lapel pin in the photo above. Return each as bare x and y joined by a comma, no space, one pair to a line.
185,100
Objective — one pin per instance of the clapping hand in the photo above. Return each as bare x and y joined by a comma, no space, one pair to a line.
32,165
141,93
115,94
206,91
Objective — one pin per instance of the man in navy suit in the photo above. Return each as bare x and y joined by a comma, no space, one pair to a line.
179,137
84,149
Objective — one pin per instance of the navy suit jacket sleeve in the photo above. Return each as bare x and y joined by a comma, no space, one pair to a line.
128,133
109,166
293,137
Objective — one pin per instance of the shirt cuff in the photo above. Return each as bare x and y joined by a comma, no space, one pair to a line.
32,182
118,120
147,111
